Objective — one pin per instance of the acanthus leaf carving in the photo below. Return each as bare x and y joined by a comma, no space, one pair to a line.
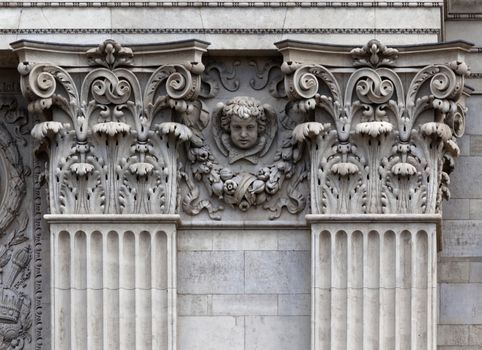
106,152
389,152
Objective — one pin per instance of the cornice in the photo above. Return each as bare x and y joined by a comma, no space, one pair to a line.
256,31
228,4
409,56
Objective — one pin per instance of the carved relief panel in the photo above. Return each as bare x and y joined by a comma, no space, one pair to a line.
21,272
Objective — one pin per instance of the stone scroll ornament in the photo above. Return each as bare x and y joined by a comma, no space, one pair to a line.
379,146
111,145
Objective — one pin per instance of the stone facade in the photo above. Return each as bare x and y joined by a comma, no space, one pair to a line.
274,183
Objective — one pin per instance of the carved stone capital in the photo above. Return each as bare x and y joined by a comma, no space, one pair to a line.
383,140
101,121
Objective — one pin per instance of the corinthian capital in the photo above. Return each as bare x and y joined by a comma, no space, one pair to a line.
107,153
389,136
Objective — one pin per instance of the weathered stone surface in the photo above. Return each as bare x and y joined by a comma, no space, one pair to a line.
459,304
453,272
456,209
453,335
245,304
282,272
216,333
278,333
294,304
475,334
462,238
218,272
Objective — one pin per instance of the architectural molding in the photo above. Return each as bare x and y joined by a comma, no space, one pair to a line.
228,4
233,31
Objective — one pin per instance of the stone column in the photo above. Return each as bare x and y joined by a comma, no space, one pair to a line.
380,159
113,281
105,121
374,281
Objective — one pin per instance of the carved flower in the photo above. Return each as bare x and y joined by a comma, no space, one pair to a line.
81,169
404,169
17,344
111,128
244,205
344,169
39,131
437,130
141,169
374,128
230,187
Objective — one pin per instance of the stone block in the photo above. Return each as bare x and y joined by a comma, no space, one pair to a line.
294,240
475,211
473,121
213,333
462,238
282,272
247,304
194,240
453,271
277,333
475,334
452,335
244,240
463,186
475,271
455,209
461,303
476,145
210,272
294,304
192,305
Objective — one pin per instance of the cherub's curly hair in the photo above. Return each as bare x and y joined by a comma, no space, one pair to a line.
244,107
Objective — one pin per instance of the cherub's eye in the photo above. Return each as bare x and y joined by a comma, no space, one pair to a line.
250,127
237,127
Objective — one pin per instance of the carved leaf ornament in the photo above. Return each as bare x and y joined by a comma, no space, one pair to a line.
383,150
373,148
108,152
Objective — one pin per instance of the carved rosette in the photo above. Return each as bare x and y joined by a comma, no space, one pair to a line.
108,152
374,147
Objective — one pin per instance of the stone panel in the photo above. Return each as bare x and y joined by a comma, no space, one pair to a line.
210,272
462,238
294,304
277,272
460,303
244,304
213,333
278,333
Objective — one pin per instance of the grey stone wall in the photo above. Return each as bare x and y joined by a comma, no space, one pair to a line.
460,262
244,289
